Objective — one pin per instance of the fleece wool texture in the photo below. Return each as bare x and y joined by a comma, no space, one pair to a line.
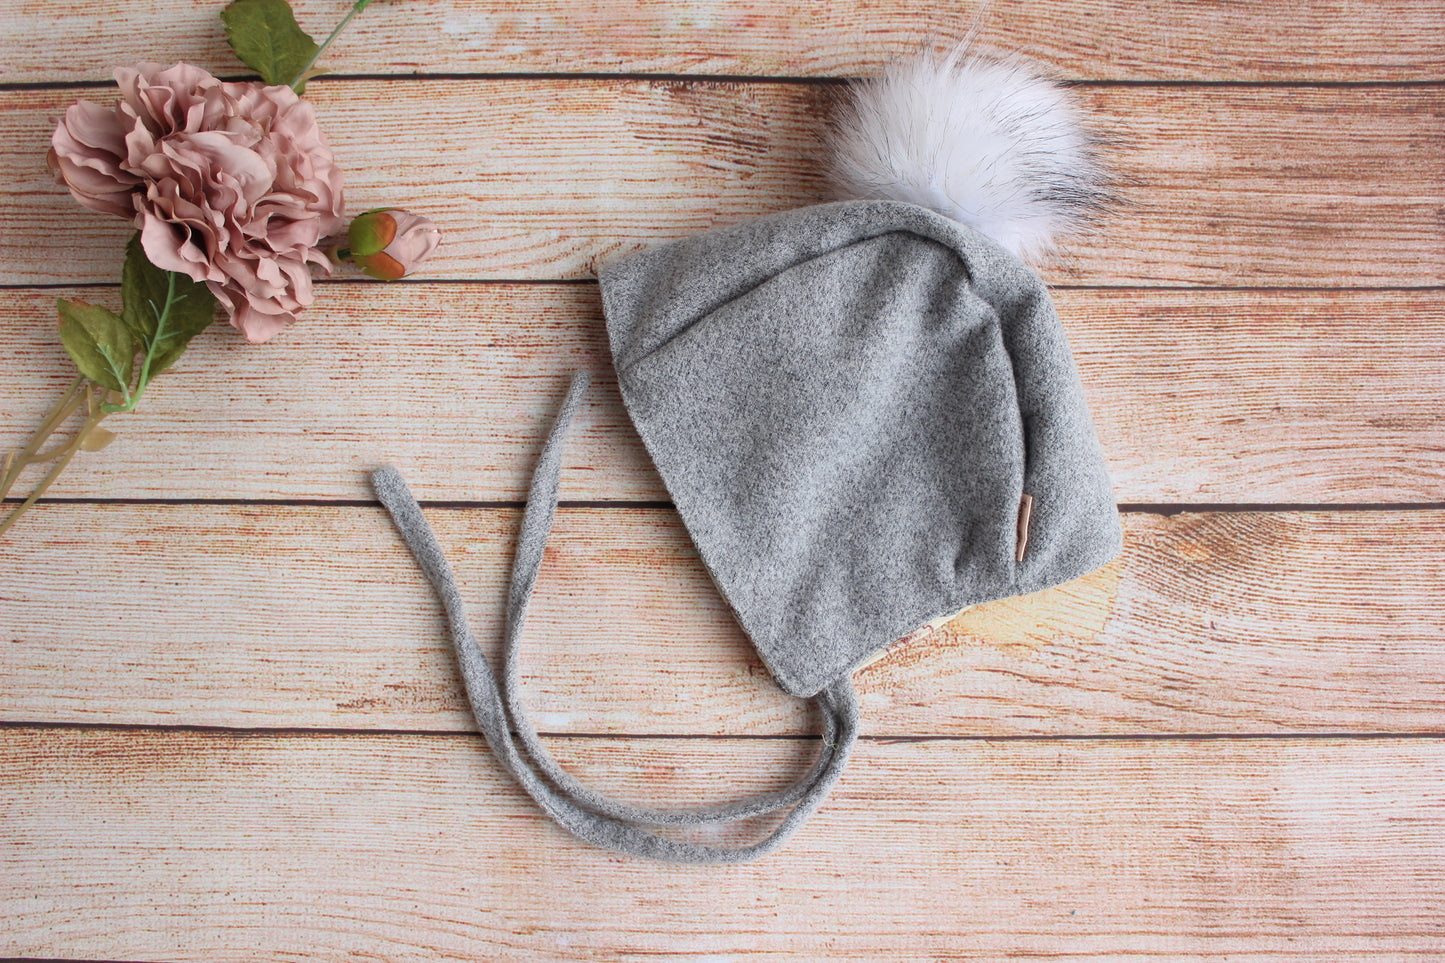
846,403
610,823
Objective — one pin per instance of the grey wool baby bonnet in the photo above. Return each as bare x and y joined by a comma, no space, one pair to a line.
868,417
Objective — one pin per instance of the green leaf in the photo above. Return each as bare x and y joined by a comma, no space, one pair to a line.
99,342
163,310
143,288
267,38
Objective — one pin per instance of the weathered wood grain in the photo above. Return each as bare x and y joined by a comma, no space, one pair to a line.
1387,40
191,846
942,842
1322,186
1272,397
269,616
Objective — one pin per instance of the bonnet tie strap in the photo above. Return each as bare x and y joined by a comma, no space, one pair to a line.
587,814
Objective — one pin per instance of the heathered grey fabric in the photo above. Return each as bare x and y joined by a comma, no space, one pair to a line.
610,823
846,403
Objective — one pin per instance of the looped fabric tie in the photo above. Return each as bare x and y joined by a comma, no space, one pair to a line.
503,719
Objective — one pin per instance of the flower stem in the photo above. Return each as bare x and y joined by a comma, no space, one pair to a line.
95,414
356,8
17,461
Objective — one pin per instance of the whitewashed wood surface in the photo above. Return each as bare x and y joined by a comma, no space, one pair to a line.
230,726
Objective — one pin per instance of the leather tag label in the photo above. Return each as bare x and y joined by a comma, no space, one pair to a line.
1026,510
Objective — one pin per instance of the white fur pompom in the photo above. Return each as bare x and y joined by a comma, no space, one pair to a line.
982,141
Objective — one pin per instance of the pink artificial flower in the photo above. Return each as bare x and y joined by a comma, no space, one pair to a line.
229,183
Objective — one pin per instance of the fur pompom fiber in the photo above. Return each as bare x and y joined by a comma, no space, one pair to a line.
983,141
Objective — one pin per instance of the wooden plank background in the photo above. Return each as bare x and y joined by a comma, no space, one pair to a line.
1220,185
230,726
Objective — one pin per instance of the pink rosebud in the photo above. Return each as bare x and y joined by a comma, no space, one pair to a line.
389,243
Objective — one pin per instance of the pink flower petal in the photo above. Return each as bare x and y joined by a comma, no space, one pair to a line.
230,183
